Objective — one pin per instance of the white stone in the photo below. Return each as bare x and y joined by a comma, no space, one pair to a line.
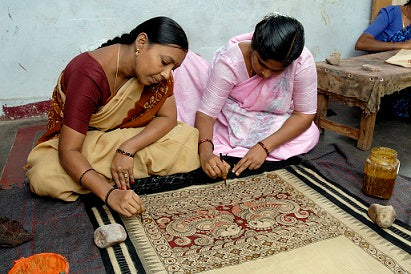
383,216
334,58
369,67
108,235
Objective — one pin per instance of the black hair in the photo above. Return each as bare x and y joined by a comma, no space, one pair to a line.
408,3
159,30
279,38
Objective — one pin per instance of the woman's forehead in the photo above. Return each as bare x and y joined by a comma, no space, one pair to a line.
270,63
170,50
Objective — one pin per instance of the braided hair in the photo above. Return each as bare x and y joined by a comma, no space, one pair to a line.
159,30
279,38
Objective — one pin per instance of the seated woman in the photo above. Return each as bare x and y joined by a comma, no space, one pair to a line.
258,98
113,119
390,30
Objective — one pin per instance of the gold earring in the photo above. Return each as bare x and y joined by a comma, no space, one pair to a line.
137,52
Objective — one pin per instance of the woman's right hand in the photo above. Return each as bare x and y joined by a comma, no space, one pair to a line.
213,166
126,202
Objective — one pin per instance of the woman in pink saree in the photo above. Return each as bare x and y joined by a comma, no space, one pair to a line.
256,101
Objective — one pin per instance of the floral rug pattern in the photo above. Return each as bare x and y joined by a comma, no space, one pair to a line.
253,223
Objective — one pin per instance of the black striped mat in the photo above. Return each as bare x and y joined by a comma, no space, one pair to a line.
389,248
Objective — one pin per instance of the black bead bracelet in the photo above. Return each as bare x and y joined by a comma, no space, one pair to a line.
119,150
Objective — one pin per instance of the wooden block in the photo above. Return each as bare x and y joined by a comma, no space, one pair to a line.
340,128
322,105
367,125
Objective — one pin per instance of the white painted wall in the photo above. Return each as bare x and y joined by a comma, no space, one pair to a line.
38,38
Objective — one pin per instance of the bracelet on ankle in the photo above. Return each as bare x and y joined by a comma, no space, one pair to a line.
119,150
107,195
264,147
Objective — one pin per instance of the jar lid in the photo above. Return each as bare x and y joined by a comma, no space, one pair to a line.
384,152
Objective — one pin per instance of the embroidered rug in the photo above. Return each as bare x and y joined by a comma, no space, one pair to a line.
288,220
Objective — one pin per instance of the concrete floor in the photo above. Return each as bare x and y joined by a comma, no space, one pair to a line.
389,132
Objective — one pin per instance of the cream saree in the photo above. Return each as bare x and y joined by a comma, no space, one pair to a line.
121,118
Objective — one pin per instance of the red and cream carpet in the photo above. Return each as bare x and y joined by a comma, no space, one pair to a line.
290,220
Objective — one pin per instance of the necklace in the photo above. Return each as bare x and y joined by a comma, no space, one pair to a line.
118,61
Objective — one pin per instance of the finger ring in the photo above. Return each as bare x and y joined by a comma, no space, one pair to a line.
214,166
125,175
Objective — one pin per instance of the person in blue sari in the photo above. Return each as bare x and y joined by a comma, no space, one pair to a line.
391,30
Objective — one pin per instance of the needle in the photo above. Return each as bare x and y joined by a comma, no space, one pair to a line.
141,214
224,176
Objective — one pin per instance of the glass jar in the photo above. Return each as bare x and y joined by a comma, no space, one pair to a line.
380,172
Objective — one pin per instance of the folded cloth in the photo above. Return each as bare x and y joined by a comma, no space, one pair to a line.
12,233
401,58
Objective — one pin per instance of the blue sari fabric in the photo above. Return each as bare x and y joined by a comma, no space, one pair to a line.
400,105
401,36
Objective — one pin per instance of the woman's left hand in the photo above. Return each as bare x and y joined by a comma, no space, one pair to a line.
254,158
122,170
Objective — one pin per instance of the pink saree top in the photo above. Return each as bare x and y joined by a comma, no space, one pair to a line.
248,110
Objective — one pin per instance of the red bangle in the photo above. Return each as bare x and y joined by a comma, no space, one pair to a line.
264,147
203,140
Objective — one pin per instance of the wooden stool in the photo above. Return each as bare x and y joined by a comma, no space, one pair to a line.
364,134
351,84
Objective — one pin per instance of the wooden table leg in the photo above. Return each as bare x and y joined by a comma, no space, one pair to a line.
322,106
367,126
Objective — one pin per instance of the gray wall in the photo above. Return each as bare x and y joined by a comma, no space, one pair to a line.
38,38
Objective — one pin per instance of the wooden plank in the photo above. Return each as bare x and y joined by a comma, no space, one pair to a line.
343,99
322,106
340,128
377,5
367,126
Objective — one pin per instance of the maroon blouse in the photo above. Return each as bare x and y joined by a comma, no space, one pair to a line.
87,89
